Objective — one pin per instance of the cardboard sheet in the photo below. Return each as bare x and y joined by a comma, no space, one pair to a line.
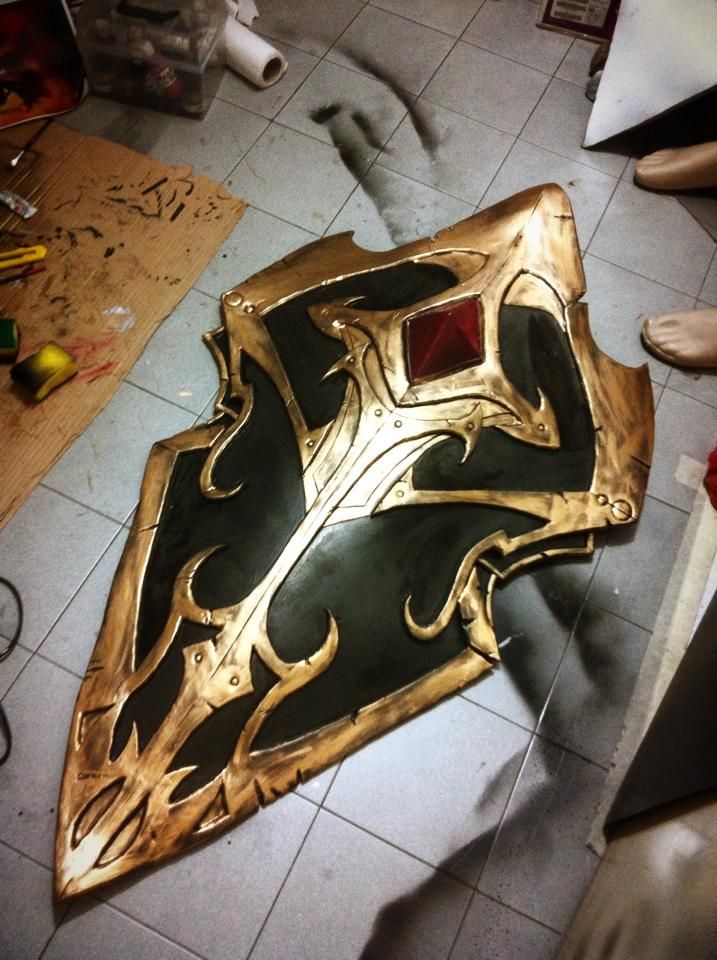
675,623
126,237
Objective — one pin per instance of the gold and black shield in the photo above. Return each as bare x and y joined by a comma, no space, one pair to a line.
395,433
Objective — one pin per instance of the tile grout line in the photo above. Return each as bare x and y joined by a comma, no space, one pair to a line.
328,789
495,175
269,36
394,846
282,885
420,96
285,126
634,273
346,201
653,496
703,403
563,59
36,652
540,738
18,646
505,906
132,919
40,656
23,668
582,162
362,73
492,710
465,116
66,496
222,179
27,856
340,66
56,924
56,927
632,623
285,43
302,133
504,811
541,715
618,616
289,223
158,396
519,63
374,161
476,890
418,23
80,503
536,735
599,606
368,170
461,922
546,738
676,389
415,96
686,293
672,196
480,706
246,153
159,933
600,218
521,913
420,183
472,20
712,263
517,137
60,666
530,115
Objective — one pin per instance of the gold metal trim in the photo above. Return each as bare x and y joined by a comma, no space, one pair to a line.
116,815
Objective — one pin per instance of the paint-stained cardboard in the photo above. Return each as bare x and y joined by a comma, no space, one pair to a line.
126,237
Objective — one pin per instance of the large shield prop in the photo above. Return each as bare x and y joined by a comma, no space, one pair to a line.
395,434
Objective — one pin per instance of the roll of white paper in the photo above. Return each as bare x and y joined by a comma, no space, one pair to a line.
251,56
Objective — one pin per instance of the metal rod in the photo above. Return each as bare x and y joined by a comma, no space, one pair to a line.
33,139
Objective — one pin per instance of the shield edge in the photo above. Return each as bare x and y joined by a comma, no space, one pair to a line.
620,402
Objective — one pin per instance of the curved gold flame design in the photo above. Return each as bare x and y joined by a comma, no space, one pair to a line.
116,815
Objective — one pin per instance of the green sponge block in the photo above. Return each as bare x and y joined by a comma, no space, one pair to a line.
44,370
9,340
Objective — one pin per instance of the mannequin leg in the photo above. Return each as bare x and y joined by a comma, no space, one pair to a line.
681,168
687,338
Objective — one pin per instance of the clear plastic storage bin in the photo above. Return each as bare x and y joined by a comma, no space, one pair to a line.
155,53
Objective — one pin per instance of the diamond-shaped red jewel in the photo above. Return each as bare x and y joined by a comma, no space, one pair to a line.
443,340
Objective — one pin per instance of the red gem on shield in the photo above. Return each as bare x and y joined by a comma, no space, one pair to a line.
443,340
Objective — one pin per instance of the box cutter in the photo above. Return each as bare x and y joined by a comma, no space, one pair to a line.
21,256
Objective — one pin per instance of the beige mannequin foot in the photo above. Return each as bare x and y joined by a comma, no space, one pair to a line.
683,168
688,339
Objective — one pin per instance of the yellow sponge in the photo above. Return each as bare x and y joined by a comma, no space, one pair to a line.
9,340
44,370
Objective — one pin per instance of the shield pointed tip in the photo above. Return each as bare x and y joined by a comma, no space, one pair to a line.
64,887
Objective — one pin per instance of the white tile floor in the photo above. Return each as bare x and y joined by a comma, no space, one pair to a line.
462,833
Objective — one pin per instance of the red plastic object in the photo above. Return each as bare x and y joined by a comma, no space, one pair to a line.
443,340
711,477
